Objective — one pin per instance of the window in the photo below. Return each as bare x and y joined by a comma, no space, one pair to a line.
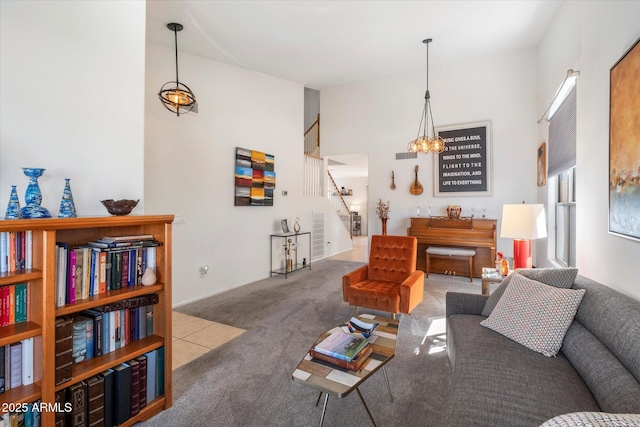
562,167
565,248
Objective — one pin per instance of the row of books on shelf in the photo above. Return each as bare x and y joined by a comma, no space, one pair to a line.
110,263
16,250
16,364
99,331
27,416
113,396
14,303
347,347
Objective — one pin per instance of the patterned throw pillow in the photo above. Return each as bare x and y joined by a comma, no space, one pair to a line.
558,277
593,419
534,314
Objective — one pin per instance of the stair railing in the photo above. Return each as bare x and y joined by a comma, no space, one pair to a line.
312,180
312,138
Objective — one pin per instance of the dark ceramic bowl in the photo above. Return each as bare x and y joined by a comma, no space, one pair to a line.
119,207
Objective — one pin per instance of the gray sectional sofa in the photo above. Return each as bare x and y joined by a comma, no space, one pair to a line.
498,382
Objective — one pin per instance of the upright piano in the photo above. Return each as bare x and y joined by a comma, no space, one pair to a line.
466,232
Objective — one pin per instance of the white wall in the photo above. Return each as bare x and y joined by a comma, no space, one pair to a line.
73,101
190,170
591,37
72,79
381,116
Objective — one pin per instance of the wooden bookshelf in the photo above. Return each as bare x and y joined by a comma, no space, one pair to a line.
24,394
20,276
108,298
94,366
157,405
42,311
19,331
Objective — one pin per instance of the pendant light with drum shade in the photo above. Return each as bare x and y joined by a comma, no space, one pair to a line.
424,143
175,96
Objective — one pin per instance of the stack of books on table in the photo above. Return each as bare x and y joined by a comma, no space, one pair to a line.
346,350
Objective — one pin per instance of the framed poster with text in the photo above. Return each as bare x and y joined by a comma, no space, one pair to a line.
464,167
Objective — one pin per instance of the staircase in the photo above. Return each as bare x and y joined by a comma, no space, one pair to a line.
314,177
340,206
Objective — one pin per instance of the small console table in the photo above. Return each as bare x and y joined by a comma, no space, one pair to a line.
289,244
489,276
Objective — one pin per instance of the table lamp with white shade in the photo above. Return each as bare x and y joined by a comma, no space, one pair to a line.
523,222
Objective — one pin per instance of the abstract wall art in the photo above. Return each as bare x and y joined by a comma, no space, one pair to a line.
624,145
255,178
542,165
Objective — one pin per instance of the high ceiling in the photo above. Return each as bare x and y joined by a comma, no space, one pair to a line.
348,165
327,43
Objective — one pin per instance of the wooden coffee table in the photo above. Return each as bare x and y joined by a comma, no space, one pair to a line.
339,382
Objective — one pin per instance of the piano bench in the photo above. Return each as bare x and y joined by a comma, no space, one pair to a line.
450,253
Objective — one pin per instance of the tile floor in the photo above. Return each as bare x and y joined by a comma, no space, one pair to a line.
193,337
359,253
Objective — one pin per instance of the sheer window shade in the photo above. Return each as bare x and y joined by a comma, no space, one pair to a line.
562,136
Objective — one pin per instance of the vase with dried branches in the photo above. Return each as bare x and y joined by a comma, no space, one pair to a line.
383,213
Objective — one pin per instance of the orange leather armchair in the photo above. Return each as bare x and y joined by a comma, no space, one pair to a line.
390,282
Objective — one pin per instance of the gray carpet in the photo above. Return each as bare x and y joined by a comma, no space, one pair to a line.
247,382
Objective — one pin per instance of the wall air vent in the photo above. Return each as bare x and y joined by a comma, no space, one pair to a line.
405,156
317,236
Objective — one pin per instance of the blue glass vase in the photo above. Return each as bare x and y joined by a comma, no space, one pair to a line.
33,196
13,209
67,207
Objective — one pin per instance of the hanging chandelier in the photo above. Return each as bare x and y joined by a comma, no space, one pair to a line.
424,143
176,96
